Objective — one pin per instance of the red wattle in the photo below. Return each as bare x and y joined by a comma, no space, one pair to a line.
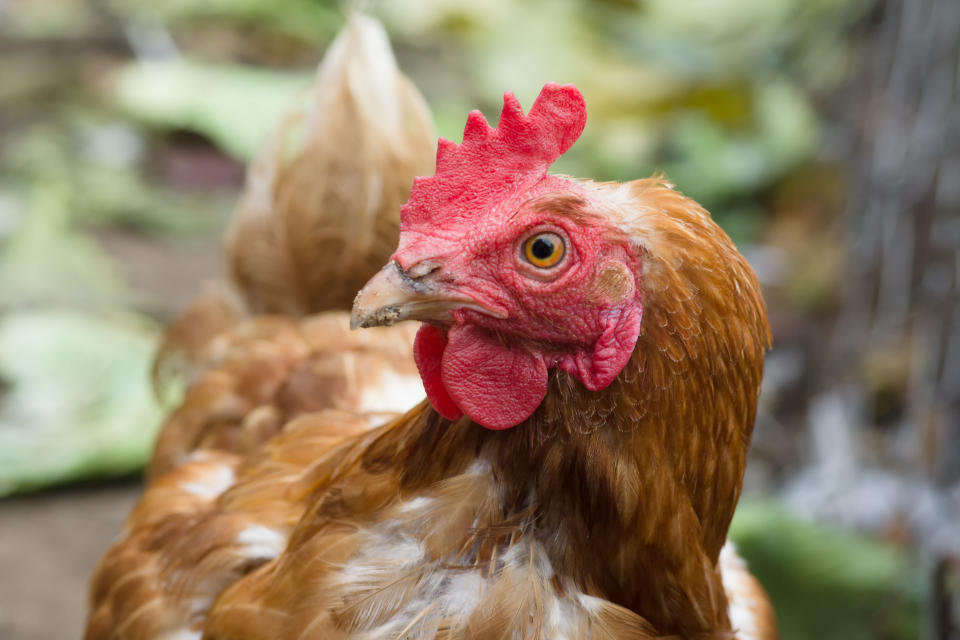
428,350
496,386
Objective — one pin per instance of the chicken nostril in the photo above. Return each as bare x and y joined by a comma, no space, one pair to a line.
421,269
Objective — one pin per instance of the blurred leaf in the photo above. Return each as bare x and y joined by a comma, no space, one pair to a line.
786,123
50,18
88,170
711,161
413,18
309,19
121,198
235,107
74,398
825,583
42,260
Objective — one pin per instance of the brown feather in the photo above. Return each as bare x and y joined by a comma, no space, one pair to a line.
267,370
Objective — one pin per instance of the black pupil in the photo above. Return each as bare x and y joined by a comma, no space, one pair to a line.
542,248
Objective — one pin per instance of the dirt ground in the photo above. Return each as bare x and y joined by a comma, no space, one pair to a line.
49,544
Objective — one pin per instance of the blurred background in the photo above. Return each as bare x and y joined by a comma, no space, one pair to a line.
823,135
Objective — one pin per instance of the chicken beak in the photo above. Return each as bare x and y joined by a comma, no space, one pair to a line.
394,295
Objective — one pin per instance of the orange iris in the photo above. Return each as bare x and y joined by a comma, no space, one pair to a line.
543,250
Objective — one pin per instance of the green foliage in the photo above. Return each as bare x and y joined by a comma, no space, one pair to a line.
235,107
44,261
74,397
308,19
50,18
827,583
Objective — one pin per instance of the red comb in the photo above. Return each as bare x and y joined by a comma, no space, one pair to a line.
491,163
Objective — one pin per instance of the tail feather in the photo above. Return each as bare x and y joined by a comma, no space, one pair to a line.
320,212
319,217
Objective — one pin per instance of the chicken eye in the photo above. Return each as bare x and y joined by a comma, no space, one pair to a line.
544,250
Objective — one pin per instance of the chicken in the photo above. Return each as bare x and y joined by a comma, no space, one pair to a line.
592,356
315,222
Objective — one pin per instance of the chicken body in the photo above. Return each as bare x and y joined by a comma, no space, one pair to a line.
603,514
572,475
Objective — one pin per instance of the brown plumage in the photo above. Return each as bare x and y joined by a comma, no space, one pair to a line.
318,217
602,515
645,474
264,371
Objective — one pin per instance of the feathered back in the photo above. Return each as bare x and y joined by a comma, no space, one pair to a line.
322,203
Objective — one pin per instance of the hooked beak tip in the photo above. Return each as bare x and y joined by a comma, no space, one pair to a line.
380,301
383,317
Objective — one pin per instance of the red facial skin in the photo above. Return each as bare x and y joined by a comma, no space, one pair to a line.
463,230
494,369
